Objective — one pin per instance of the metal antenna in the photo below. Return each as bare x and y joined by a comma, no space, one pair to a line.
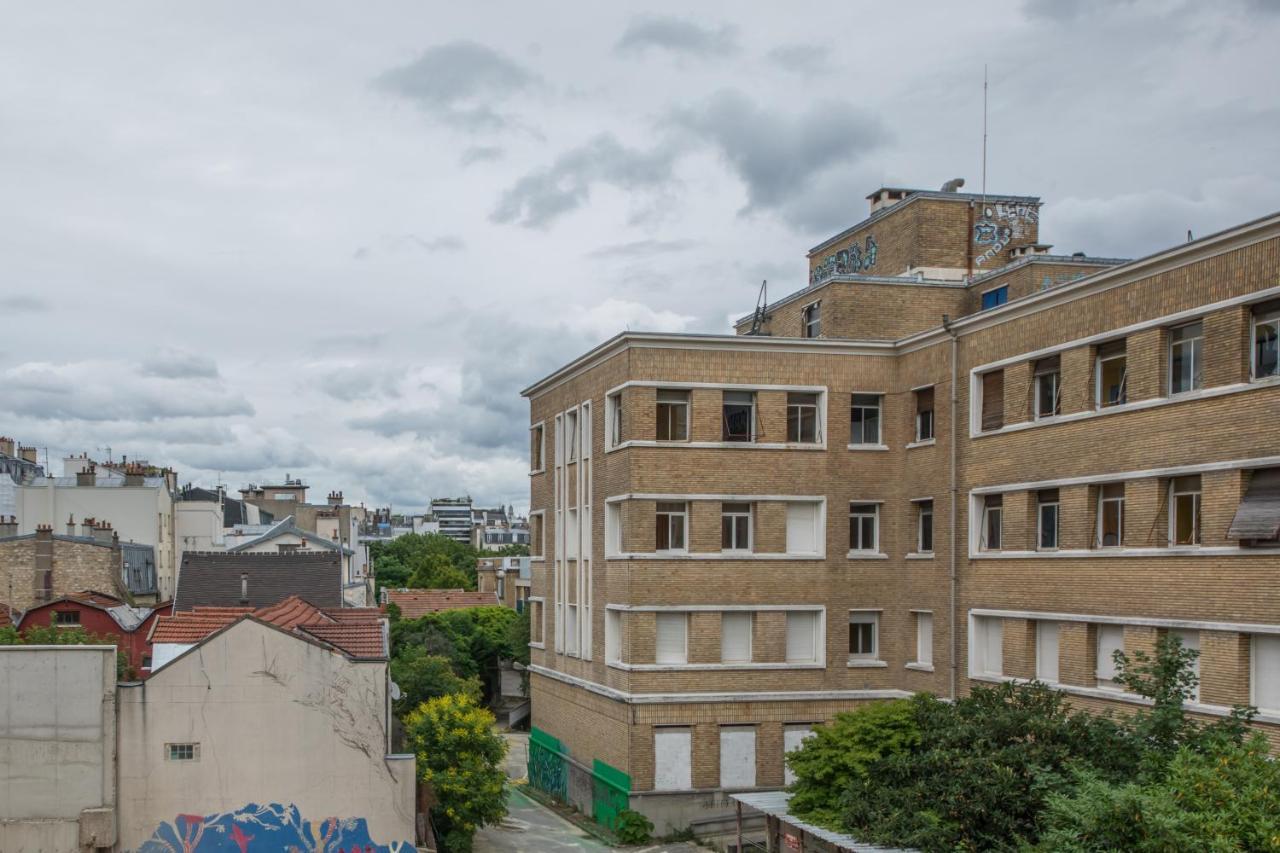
984,133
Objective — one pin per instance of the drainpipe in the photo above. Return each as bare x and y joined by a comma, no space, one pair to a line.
952,492
969,242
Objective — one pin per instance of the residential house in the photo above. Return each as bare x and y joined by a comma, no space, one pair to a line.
257,579
508,578
104,616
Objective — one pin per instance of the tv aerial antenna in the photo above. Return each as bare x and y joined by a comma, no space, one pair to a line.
762,302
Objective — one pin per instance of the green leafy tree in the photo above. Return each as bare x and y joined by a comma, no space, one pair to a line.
422,676
474,639
414,557
460,757
436,571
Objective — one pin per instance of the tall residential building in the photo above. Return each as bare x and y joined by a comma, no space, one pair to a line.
953,458
453,515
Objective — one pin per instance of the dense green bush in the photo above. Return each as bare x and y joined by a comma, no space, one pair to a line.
421,675
633,828
473,640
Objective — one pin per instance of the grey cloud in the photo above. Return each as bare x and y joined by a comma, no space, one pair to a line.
402,242
23,305
179,364
250,450
779,157
802,58
1061,11
640,249
677,35
480,154
457,82
364,382
539,198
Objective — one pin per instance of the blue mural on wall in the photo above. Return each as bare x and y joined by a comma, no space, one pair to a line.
266,829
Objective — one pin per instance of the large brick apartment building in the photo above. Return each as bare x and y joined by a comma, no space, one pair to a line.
953,458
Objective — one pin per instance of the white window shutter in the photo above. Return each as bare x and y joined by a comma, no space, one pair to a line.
1047,652
924,638
802,645
1191,640
672,630
802,528
1266,672
612,636
735,637
1110,640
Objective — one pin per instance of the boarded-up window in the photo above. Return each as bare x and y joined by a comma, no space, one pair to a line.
672,764
737,756
992,400
1257,519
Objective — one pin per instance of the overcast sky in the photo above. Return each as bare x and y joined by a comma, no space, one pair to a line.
337,239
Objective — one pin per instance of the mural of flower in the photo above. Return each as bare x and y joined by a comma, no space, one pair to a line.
272,828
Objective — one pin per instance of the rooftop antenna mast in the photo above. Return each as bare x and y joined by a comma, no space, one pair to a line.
762,302
984,134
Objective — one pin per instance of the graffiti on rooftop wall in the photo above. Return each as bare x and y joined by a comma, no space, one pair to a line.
266,829
1000,225
854,259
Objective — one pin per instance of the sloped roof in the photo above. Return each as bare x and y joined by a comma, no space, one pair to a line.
288,527
358,639
127,616
213,578
414,603
356,631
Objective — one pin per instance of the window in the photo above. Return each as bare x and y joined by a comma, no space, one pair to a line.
812,319
672,759
864,636
1048,387
1111,515
1265,675
924,527
66,618
1047,519
671,645
924,414
571,629
864,523
1257,518
613,413
1112,375
802,528
571,534
1047,652
992,522
793,737
802,636
737,756
1190,639
802,418
673,415
735,527
182,751
535,535
986,646
735,637
739,415
996,297
1186,358
672,527
571,435
538,443
924,638
864,418
1184,515
992,400
612,636
1110,641
1266,341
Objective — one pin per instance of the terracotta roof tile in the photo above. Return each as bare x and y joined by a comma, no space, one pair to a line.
414,603
188,628
291,612
358,639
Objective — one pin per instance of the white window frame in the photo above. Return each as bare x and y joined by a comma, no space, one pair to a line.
755,405
1120,525
1255,676
879,410
1196,345
1190,638
613,420
933,422
612,636
817,407
170,748
1056,376
686,402
924,638
874,515
818,621
819,529
1043,627
541,515
1106,676
1271,318
921,512
1124,379
981,629
683,515
613,528
811,319
983,544
1197,497
749,616
866,617
572,449
671,618
736,514
1057,525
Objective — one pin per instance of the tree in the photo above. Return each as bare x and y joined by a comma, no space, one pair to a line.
460,757
422,676
436,571
474,639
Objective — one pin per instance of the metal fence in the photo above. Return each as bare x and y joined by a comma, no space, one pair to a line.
602,791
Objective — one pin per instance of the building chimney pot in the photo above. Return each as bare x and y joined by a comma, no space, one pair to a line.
87,476
8,526
28,454
71,525
6,445
102,533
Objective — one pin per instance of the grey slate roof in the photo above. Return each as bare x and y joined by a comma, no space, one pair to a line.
287,527
212,579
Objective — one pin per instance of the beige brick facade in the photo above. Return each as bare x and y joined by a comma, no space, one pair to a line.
673,664
40,567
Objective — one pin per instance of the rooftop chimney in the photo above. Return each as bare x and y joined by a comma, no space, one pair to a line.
335,499
44,562
102,533
885,197
28,454
71,525
87,476
6,445
8,525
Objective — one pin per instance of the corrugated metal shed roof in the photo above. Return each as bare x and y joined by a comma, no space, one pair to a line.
775,803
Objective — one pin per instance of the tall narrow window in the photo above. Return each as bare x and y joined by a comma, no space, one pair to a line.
924,638
1111,515
1047,652
992,400
813,320
924,527
1112,375
802,636
992,522
1047,515
863,638
1184,510
1186,358
613,411
1190,640
537,445
924,414
864,419
1265,675
863,527
804,533
671,643
673,415
1110,641
571,435
1048,387
802,418
739,416
1266,340
986,646
735,637
735,527
613,636
672,527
